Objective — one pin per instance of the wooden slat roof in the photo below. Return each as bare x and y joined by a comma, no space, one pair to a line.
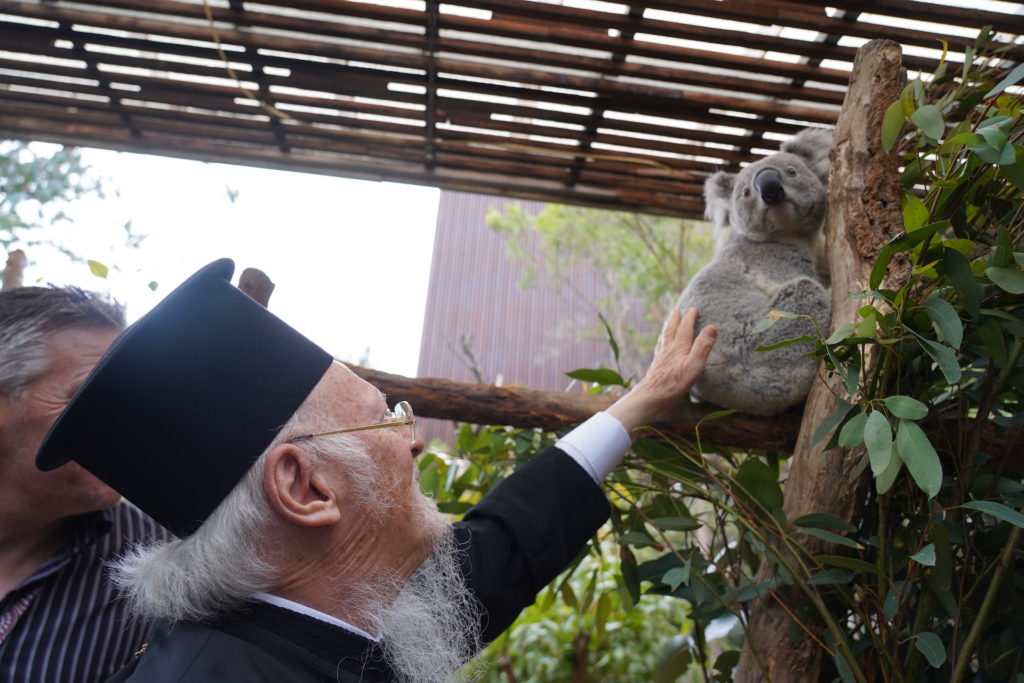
622,106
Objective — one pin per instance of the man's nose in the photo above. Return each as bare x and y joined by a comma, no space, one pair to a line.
418,445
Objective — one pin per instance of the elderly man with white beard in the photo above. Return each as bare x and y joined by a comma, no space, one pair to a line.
305,549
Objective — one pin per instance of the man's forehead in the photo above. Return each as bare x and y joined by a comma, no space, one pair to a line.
353,385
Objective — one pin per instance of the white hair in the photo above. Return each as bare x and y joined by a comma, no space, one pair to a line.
434,627
223,563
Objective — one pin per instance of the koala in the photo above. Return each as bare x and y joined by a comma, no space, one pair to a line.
771,260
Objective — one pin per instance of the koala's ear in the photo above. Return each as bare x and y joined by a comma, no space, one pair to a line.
717,197
813,145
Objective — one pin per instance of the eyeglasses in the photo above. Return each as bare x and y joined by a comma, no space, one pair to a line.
401,417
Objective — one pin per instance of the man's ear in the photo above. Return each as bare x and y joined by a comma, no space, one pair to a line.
297,491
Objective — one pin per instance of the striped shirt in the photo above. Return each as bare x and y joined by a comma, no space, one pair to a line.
65,623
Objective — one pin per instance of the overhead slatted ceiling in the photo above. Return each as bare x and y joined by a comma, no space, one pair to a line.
621,106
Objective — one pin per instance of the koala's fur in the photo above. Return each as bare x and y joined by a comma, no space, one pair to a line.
770,261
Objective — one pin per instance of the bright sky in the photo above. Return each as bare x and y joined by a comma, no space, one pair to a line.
350,259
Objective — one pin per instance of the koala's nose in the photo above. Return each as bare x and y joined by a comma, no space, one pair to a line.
768,183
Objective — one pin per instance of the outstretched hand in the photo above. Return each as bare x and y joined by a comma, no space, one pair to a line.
679,359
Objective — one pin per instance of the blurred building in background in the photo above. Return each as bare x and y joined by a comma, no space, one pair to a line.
481,326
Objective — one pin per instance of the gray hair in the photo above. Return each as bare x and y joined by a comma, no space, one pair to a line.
28,315
221,565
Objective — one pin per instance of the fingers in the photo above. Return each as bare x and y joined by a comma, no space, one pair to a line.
702,346
668,331
688,323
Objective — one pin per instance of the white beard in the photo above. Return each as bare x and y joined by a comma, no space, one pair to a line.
433,628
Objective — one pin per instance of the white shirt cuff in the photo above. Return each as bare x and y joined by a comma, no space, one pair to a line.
597,445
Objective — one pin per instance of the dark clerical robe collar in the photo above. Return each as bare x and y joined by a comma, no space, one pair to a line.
291,636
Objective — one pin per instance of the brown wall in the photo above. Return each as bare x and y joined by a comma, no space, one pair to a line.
525,337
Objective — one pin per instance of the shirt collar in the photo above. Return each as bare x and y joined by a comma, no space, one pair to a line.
284,603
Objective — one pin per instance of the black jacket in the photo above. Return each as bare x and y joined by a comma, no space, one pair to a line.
516,540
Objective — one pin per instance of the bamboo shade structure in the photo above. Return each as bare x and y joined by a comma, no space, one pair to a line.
617,106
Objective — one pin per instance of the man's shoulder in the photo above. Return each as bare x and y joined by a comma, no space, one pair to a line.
197,653
200,652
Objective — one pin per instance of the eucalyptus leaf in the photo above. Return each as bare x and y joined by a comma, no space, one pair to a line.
833,420
955,266
1008,279
673,660
824,520
991,335
98,269
602,376
758,483
803,339
915,213
943,357
892,125
841,332
763,325
891,603
906,407
848,563
878,441
676,577
931,647
676,523
929,120
885,480
1001,512
995,135
611,337
917,452
832,577
946,320
925,556
1004,249
1011,79
830,537
852,433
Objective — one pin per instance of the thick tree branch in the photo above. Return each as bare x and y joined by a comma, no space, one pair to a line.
552,410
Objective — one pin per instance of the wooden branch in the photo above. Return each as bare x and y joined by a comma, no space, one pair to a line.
14,272
552,410
864,213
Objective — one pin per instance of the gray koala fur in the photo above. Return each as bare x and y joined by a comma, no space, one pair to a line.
775,208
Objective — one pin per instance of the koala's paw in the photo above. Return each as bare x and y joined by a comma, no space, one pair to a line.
804,296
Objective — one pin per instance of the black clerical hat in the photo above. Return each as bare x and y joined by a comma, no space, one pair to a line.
185,400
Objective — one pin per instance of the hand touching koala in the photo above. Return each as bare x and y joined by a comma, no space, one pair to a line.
775,207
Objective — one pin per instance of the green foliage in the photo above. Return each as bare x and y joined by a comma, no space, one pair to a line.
932,364
926,585
36,180
645,260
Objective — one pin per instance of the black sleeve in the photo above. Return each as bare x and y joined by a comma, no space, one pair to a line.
524,532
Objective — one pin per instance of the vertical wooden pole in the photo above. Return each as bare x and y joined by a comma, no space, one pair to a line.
14,271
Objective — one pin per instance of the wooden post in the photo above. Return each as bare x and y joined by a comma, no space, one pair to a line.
257,285
14,271
864,214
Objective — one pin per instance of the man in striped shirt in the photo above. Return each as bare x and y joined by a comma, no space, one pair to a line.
60,617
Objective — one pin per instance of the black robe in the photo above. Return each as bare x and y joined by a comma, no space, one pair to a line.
515,540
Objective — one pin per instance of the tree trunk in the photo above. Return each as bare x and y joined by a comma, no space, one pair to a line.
864,214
